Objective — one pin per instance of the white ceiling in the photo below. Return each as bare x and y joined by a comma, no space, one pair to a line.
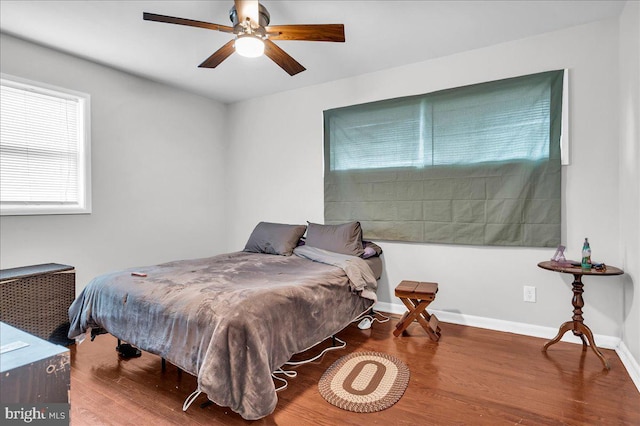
379,35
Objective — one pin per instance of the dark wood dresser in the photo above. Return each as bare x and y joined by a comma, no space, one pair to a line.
33,370
36,299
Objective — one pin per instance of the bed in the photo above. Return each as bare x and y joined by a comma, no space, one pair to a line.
233,319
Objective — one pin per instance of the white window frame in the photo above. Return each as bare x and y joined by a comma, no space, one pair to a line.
564,132
83,205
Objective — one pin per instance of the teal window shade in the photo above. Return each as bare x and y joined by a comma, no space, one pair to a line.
477,164
380,137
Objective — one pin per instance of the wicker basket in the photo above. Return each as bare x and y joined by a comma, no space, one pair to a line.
36,299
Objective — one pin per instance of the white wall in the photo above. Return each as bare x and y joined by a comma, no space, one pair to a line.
275,157
630,172
157,166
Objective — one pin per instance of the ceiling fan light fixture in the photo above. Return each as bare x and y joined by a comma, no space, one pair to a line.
249,46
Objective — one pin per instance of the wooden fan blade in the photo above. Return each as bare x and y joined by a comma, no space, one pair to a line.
188,22
247,9
218,56
282,58
311,32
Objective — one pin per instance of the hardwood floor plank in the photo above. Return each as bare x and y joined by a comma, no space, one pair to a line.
471,376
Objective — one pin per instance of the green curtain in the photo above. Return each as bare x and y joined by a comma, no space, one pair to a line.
474,165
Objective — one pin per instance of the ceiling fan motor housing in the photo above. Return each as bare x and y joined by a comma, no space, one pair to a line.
263,16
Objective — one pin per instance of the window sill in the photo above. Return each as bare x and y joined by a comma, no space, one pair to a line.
37,210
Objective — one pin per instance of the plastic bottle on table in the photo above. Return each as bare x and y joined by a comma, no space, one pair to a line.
586,254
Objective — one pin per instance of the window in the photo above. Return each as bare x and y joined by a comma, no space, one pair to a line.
477,164
44,149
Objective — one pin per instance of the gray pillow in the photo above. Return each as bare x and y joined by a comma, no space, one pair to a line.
274,238
345,238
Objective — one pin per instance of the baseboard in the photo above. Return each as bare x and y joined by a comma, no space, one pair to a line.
603,341
632,366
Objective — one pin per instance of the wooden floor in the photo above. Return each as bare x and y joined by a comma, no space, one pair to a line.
471,377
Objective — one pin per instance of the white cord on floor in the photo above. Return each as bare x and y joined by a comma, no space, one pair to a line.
291,374
190,399
330,348
283,387
287,373
372,318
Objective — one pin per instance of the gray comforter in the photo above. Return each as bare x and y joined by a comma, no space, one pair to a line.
231,319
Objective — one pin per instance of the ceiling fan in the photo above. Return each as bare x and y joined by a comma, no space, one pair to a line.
254,35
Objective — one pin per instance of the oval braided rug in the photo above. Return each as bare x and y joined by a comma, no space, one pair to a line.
364,382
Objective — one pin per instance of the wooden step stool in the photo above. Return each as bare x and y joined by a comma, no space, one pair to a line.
417,296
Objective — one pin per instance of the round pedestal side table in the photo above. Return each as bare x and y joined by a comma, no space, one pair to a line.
577,325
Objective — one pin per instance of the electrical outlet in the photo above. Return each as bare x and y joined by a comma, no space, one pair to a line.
529,294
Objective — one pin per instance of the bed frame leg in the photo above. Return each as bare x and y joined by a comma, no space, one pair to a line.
164,367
